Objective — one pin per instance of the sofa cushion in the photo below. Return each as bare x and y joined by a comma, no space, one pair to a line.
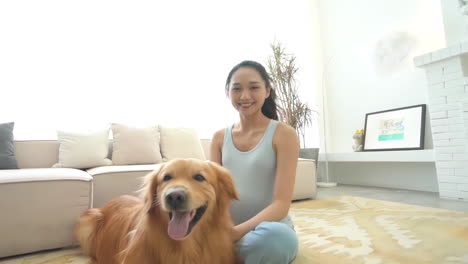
112,181
83,150
36,153
133,145
43,174
40,208
7,149
180,143
121,169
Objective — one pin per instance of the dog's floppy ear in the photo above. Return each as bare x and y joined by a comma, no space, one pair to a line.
148,191
225,181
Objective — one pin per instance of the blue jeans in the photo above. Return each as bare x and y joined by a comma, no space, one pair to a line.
268,243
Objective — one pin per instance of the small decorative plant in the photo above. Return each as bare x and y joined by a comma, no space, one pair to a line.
282,69
358,137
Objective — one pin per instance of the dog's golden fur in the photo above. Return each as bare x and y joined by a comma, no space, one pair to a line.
131,230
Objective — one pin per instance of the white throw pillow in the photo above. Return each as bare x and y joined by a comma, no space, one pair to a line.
83,150
133,145
180,143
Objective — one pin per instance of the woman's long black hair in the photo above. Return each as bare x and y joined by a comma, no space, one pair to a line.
269,107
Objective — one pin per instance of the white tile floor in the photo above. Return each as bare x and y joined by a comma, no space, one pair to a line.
428,199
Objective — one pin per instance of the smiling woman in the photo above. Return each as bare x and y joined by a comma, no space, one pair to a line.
86,64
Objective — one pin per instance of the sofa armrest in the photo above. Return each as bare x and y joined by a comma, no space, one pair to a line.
305,186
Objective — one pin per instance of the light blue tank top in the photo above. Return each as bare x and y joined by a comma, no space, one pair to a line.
254,174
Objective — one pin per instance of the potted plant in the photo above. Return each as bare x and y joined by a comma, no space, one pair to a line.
282,69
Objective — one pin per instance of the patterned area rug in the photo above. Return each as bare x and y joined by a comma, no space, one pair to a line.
357,230
352,230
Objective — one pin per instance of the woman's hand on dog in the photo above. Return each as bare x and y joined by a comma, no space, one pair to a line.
237,234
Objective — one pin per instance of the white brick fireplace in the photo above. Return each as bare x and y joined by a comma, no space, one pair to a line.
447,80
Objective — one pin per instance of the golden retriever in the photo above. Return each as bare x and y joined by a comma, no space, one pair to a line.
182,217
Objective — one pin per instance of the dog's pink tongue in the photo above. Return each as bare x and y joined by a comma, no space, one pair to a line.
178,225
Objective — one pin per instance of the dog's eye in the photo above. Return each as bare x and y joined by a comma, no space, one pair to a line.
167,177
199,177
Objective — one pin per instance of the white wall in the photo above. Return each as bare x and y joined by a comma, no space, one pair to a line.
454,23
356,82
77,64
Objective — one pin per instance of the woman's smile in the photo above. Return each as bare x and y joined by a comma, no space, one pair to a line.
246,105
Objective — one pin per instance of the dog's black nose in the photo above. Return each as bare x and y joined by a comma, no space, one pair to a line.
176,198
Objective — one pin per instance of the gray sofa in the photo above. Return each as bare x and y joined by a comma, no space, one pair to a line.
40,204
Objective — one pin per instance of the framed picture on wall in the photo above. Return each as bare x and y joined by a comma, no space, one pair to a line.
395,129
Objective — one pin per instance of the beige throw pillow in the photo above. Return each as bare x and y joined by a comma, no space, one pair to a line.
83,150
180,143
133,145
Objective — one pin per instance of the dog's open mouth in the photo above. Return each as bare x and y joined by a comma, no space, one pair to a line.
182,222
